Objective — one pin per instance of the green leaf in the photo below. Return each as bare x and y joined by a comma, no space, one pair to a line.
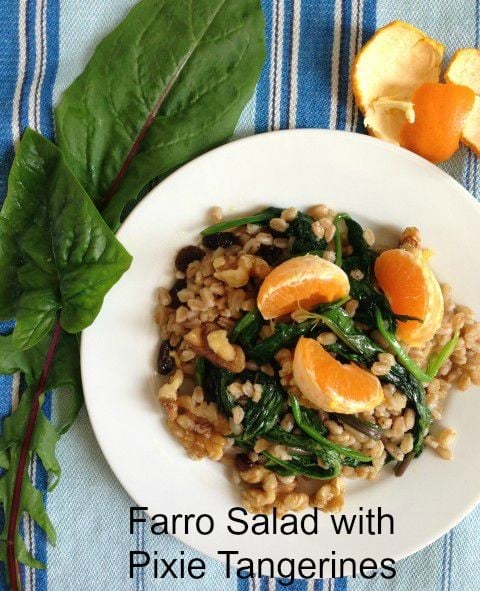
64,374
167,84
301,465
56,249
31,502
261,416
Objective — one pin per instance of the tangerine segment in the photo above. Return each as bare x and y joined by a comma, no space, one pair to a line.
331,386
305,282
412,290
440,113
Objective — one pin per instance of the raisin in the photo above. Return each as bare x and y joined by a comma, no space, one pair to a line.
187,255
243,462
219,240
165,362
177,286
270,254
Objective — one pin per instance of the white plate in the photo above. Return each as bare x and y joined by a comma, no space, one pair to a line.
382,186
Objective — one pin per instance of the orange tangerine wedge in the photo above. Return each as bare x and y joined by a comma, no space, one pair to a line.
412,290
330,385
440,114
305,282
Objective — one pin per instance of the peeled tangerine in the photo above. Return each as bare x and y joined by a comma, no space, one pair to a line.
412,290
465,69
305,282
389,68
331,385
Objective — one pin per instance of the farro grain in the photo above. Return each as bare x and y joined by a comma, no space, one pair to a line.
327,338
369,237
318,229
289,214
318,211
444,453
216,214
329,255
351,307
357,274
279,225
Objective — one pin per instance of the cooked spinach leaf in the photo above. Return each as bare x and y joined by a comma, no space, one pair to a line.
283,336
215,384
304,240
247,329
302,465
167,84
303,420
262,415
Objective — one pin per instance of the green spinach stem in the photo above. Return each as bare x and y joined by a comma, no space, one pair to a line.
400,353
338,238
263,216
436,361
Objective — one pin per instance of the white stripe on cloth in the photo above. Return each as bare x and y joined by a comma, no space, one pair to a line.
22,61
40,63
29,533
337,35
292,115
278,17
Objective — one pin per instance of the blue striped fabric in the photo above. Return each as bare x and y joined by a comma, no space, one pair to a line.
305,83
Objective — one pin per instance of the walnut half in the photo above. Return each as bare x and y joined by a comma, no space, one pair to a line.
211,342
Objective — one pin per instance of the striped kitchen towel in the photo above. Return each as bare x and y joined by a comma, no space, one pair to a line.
44,44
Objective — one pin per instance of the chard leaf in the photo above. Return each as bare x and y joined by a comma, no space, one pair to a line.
56,250
166,85
65,374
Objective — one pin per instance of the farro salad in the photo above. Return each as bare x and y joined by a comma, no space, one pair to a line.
300,354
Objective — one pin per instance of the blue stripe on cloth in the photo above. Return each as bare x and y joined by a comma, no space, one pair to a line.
243,584
318,585
263,87
368,24
297,585
344,64
9,55
341,584
53,45
314,64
